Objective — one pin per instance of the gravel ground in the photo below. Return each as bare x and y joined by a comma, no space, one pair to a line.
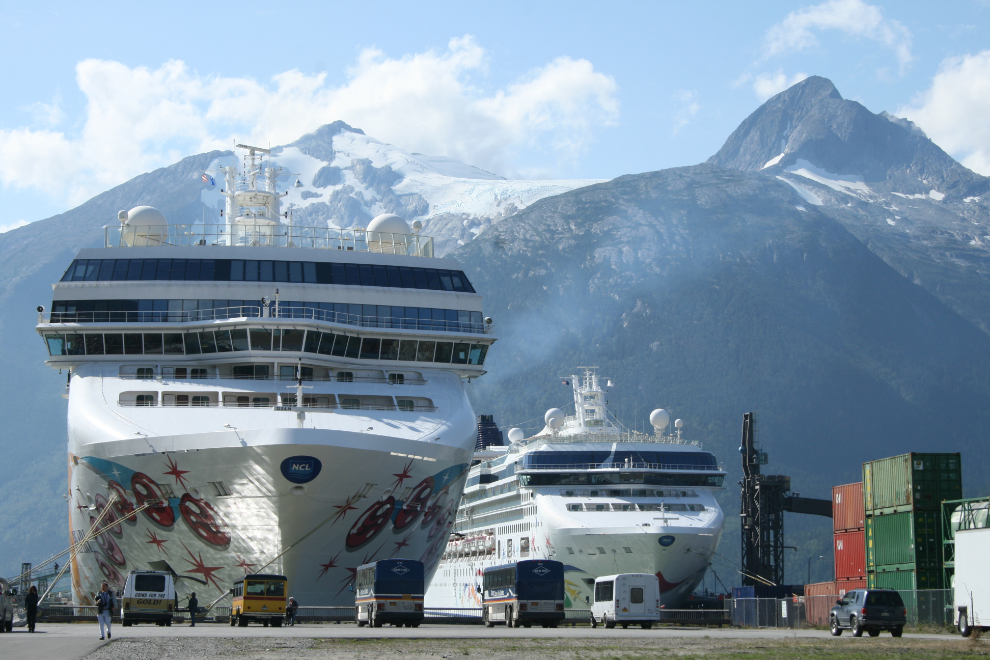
302,648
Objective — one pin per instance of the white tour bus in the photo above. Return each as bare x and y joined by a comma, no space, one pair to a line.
626,598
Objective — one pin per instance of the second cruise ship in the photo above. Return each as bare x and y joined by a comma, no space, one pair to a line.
590,494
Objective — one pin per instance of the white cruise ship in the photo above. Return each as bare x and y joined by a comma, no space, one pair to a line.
310,420
592,495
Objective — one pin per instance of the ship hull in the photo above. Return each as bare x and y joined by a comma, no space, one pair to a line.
311,504
679,557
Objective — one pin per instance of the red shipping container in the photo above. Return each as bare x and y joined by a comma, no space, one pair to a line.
848,510
818,601
850,555
845,586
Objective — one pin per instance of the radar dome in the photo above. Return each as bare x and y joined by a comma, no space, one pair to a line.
678,423
554,418
516,435
389,223
659,418
144,216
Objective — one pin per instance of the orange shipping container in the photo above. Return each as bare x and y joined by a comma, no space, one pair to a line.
850,555
848,510
818,601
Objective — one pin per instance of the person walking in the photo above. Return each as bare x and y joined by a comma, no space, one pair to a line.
290,610
106,602
193,604
31,606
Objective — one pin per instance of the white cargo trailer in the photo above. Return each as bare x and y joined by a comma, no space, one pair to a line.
971,585
626,598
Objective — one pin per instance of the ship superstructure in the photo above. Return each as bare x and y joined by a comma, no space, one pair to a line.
589,493
279,398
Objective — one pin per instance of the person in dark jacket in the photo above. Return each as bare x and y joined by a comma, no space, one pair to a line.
106,603
193,604
31,605
290,611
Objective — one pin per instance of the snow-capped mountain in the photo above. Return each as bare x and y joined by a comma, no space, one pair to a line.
346,178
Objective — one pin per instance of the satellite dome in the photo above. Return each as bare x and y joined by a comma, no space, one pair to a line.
145,216
554,418
659,418
516,435
678,423
389,223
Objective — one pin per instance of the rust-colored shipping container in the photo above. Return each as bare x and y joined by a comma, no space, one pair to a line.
844,586
850,555
848,510
818,601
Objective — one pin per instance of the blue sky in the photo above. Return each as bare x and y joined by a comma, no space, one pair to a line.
98,93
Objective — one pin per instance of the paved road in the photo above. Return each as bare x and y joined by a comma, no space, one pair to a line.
75,641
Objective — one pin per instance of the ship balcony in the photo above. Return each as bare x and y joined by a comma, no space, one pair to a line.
268,234
255,312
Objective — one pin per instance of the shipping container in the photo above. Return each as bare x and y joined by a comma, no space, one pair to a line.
845,586
911,482
850,555
848,510
888,577
912,540
972,579
818,601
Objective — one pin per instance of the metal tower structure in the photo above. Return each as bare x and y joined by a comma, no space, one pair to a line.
765,498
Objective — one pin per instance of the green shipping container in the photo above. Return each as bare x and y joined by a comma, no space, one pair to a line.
909,539
904,580
911,482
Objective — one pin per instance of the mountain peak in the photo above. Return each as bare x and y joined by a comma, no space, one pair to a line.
811,122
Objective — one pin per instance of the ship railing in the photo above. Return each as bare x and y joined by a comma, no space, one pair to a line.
283,312
268,234
268,404
168,377
632,465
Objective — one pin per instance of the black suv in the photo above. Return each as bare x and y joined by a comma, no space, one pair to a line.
871,610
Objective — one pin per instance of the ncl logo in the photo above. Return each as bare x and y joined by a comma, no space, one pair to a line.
301,469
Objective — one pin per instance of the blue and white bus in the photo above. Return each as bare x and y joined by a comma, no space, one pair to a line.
524,593
390,591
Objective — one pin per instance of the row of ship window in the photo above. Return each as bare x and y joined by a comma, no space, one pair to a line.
254,270
635,506
265,339
187,310
267,400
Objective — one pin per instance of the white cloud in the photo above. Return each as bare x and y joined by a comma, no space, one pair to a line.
138,119
14,225
954,110
766,85
688,107
853,17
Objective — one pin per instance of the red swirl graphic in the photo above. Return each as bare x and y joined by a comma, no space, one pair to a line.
107,545
370,523
415,505
123,506
145,489
442,520
202,517
109,572
110,518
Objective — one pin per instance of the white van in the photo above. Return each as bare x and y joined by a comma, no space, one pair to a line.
149,597
626,598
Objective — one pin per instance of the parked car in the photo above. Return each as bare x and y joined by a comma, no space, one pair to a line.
871,610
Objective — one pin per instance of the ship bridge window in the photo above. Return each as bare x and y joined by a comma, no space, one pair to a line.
647,478
655,460
288,372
